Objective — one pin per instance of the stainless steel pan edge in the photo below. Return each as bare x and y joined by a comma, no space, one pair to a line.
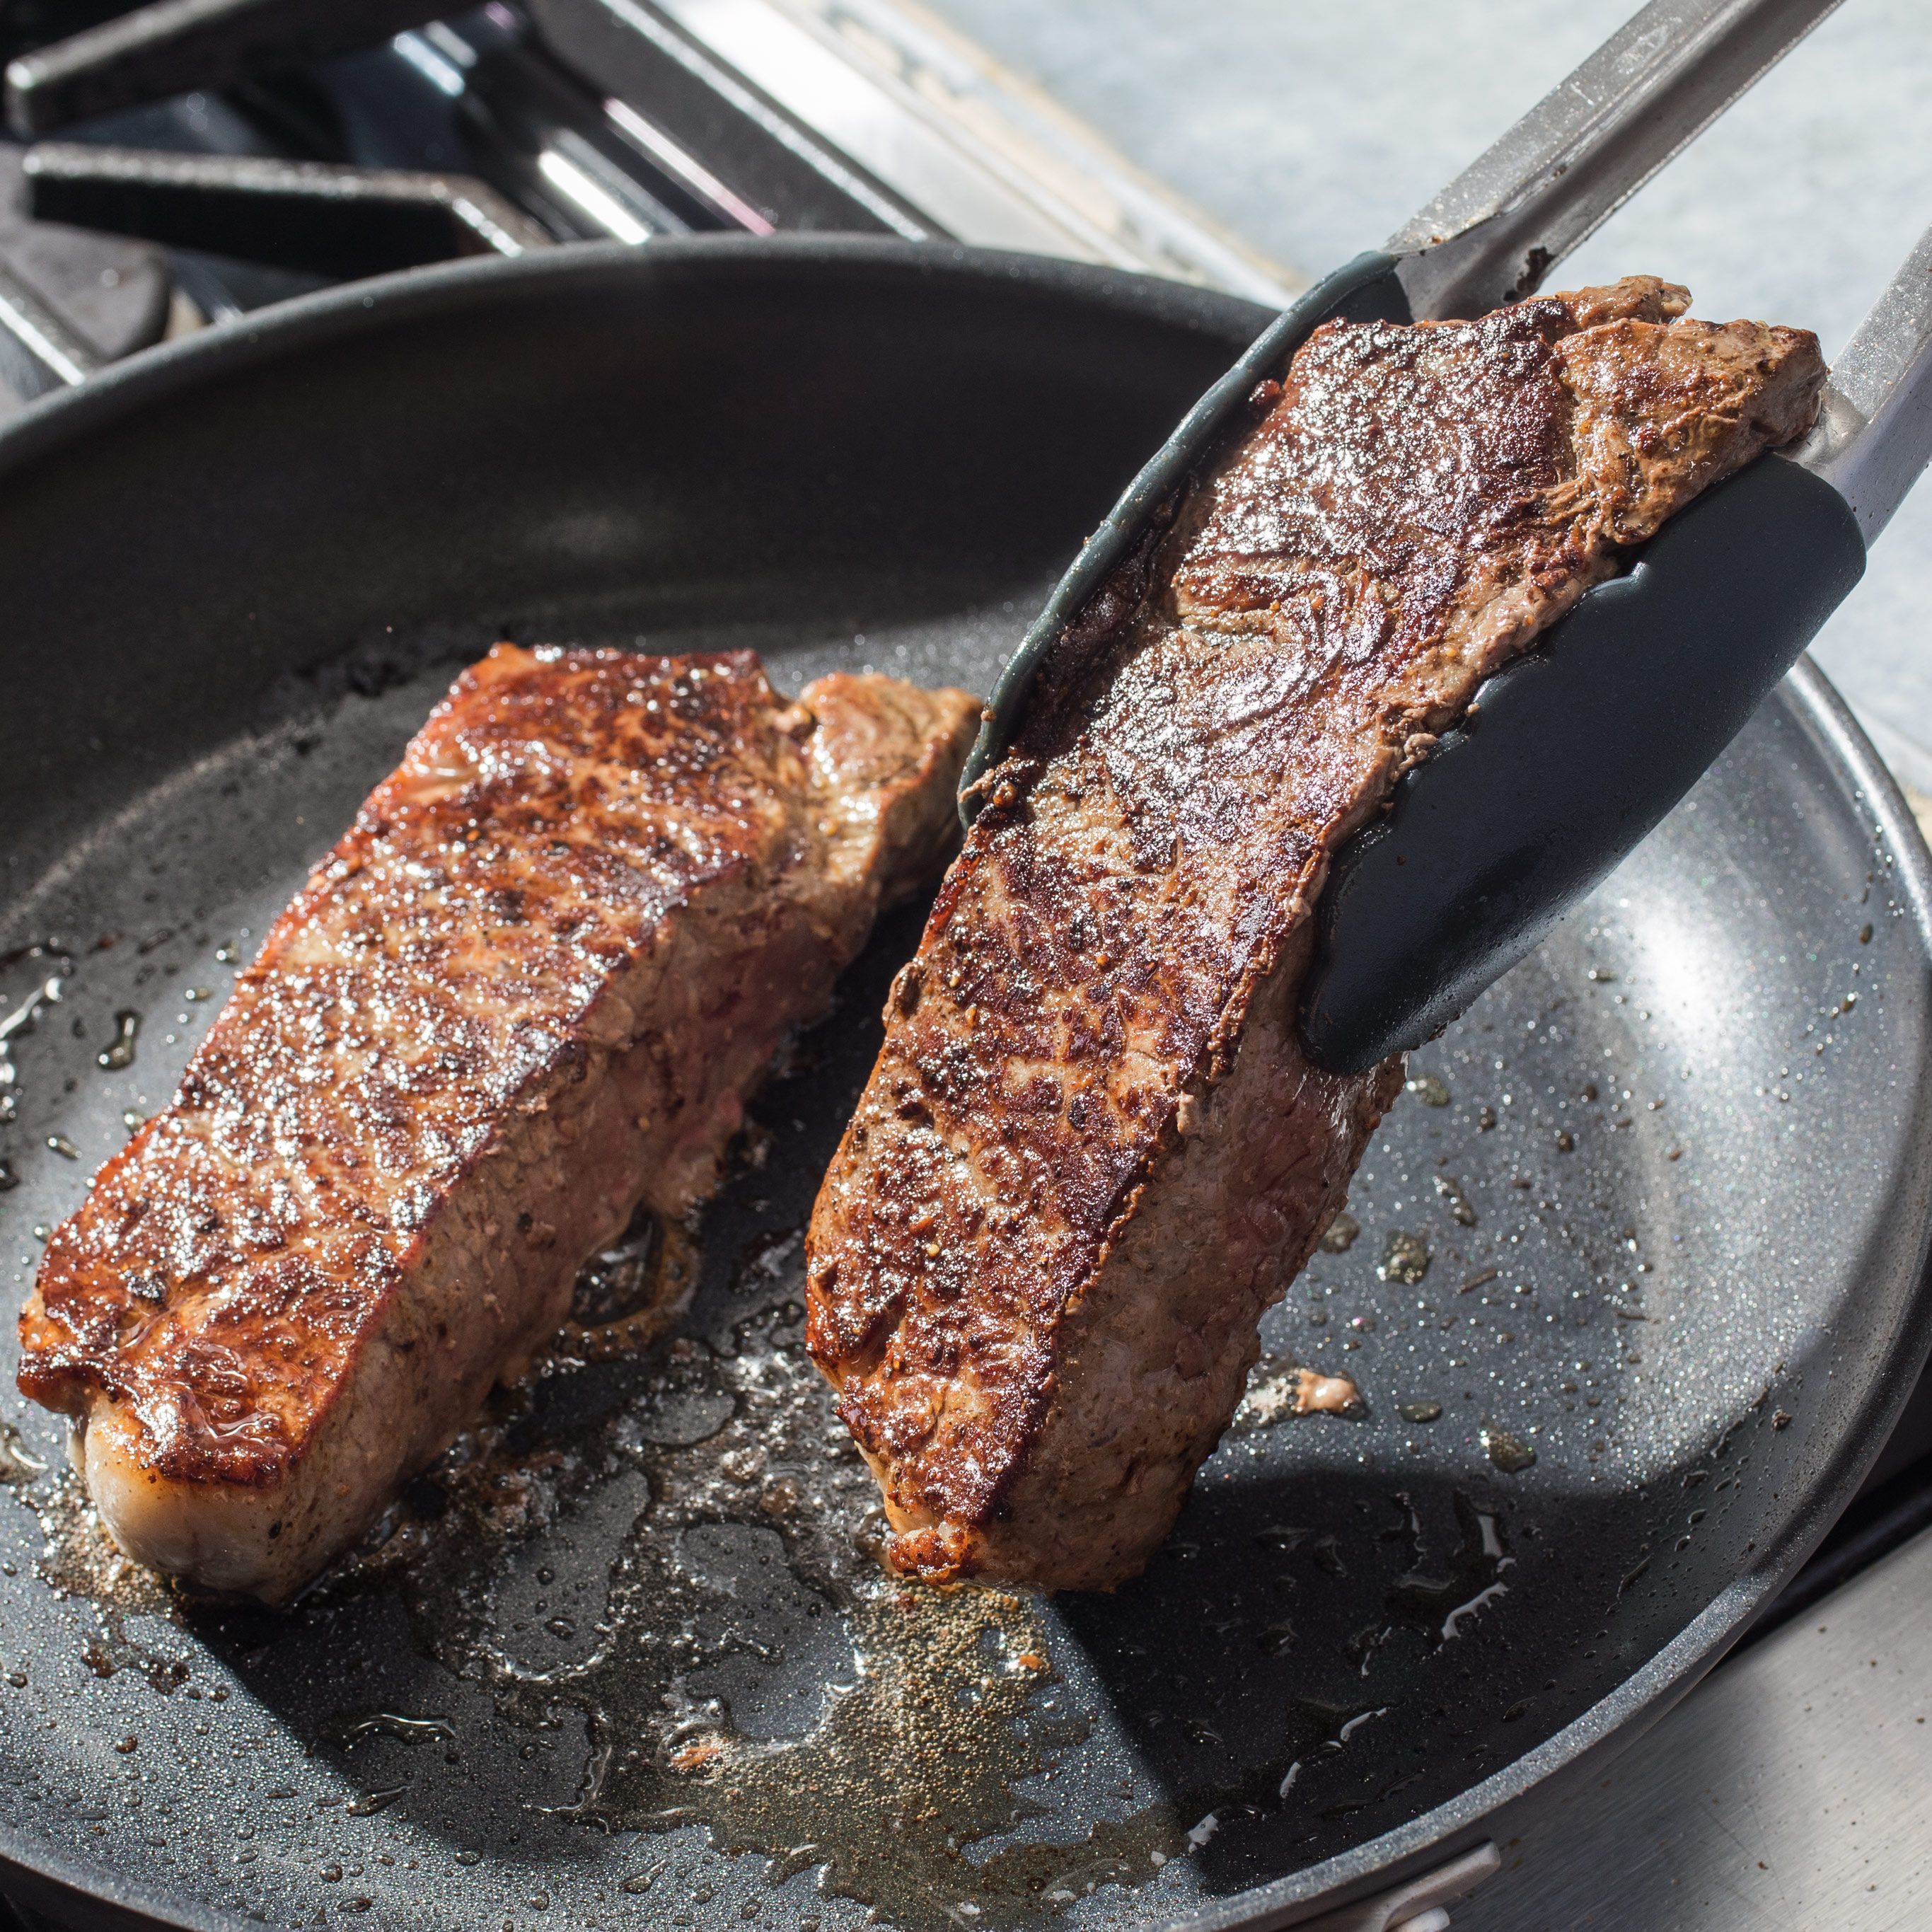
1501,1808
1495,1807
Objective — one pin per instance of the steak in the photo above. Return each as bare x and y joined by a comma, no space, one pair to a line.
530,987
1092,1152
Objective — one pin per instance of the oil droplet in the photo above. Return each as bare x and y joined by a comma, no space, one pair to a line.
1461,1209
16,1462
1404,1258
119,1055
1509,1452
198,993
1280,1536
627,1296
1602,976
1340,1235
228,953
124,1745
411,1730
62,1146
133,1120
370,1802
1566,1142
9,1180
1420,1411
21,1020
1428,1090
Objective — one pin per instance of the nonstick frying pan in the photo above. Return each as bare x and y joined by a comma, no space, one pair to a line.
1653,1214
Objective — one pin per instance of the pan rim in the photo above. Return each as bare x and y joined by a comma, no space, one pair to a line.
382,302
1615,1722
67,417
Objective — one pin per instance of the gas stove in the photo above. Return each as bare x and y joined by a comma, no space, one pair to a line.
187,162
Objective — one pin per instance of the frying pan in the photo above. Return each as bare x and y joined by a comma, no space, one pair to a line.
1654,1213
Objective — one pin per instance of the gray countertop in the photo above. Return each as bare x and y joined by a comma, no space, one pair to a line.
1792,1790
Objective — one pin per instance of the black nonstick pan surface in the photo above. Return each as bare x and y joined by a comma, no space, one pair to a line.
1654,1215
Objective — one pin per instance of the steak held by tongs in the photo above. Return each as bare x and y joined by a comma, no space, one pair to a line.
1093,1150
531,986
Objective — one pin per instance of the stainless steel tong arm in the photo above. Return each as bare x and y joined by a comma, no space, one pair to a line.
1874,432
1584,149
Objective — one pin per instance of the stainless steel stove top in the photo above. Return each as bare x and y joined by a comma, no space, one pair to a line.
255,148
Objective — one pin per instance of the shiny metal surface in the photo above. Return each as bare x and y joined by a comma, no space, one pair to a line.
1874,434
1793,1789
1422,1904
990,161
300,214
114,294
1568,165
783,166
38,351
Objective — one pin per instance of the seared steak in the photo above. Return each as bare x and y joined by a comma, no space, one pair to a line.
531,986
1091,1153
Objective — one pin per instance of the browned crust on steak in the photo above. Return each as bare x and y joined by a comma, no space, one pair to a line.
1090,1153
531,985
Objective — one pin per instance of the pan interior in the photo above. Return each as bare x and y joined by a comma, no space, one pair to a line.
623,1655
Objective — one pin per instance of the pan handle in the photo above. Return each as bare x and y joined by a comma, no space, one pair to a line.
1584,149
1417,1905
38,351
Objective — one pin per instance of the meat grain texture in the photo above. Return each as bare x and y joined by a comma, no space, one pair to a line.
530,987
1092,1154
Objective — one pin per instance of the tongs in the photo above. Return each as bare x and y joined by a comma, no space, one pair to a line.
1570,755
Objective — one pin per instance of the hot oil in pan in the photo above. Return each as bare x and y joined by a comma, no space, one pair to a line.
676,1538
668,1546
747,1668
